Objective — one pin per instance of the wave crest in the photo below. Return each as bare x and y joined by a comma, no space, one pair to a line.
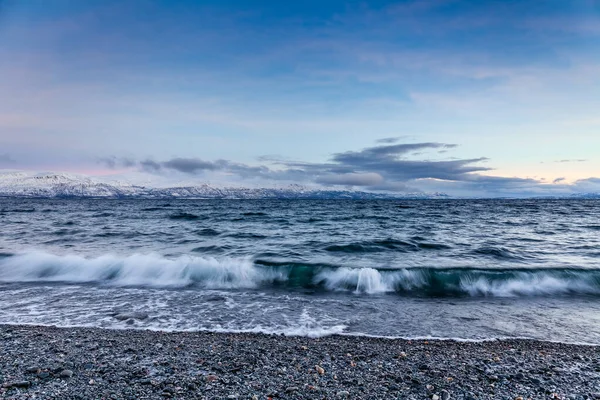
153,270
136,270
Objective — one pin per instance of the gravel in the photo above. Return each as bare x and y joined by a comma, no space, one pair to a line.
85,363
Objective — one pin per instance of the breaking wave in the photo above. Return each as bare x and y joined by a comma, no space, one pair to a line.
153,270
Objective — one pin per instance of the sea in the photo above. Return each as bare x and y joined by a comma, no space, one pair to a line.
443,269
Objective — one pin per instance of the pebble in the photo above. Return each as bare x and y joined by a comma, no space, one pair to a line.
66,373
19,384
520,376
43,375
189,365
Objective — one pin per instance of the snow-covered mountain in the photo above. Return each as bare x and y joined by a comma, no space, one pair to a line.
62,185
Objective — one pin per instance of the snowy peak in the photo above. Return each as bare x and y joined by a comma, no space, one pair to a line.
62,185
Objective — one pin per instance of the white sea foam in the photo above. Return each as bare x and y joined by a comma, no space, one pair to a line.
136,270
529,284
370,280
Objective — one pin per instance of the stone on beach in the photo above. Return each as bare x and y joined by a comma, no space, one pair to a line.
18,384
66,373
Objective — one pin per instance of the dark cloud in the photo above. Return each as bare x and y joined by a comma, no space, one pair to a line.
196,166
389,152
113,162
558,180
184,165
388,162
6,159
191,165
150,166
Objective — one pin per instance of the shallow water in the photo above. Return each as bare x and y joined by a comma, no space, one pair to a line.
469,269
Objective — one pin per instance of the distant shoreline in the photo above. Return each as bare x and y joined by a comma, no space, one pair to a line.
593,196
70,363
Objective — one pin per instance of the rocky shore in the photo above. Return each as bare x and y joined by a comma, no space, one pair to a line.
87,363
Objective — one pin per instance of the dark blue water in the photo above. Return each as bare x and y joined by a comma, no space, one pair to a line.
475,269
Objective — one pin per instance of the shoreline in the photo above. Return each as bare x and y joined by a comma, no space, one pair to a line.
79,363
358,336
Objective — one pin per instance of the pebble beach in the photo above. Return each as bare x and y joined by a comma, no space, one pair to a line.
39,362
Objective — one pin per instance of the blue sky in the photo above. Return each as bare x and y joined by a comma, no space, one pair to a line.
495,97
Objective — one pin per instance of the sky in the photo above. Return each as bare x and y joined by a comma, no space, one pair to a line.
469,98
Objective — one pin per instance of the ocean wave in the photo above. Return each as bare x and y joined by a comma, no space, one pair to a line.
372,246
208,232
20,210
242,273
254,214
184,216
499,253
136,270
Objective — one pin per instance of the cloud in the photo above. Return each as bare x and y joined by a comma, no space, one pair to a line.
389,162
570,161
587,185
192,165
6,159
274,158
150,166
387,152
352,179
558,180
113,162
389,140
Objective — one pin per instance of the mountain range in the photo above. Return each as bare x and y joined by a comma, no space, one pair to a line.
63,185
